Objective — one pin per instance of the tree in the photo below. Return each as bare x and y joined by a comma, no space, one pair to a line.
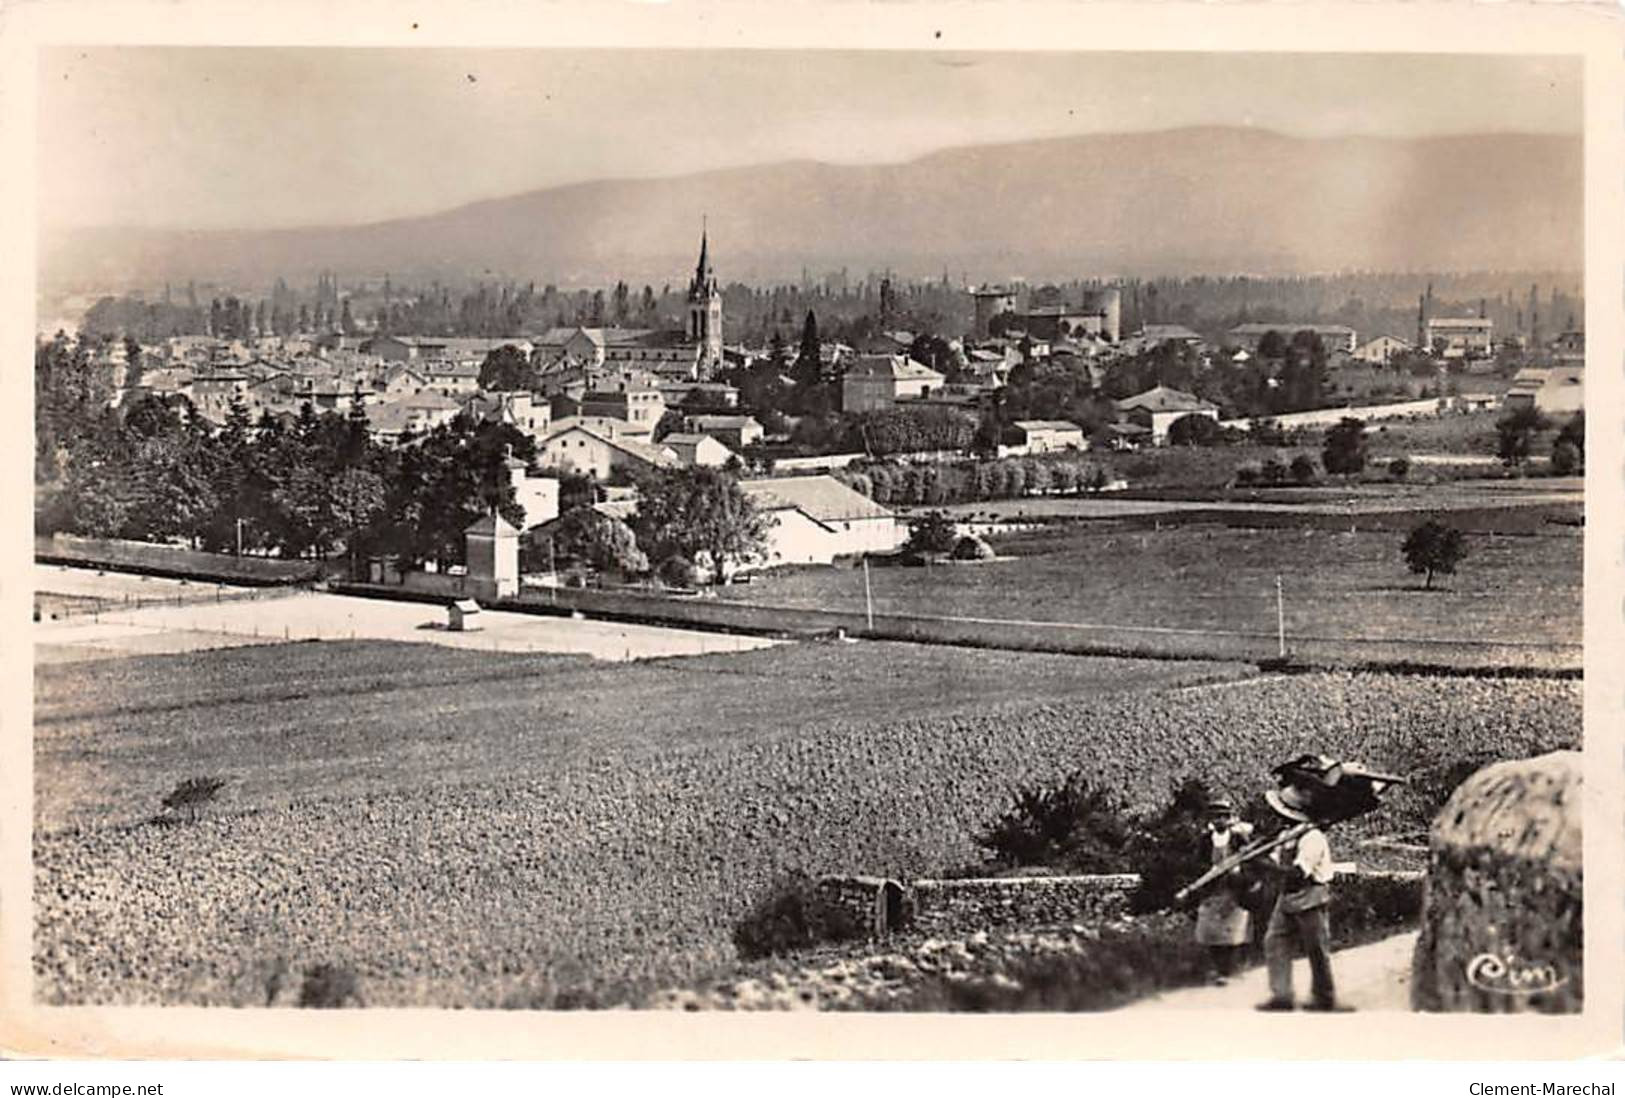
1193,430
698,511
1272,345
507,369
1344,449
1568,449
1515,432
1303,469
355,502
809,367
587,537
1433,548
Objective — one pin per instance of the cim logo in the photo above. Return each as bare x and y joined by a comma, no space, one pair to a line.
1507,974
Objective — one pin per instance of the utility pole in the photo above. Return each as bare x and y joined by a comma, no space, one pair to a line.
239,537
1280,617
868,596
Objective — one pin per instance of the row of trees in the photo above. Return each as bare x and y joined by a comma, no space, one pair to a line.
306,489
940,484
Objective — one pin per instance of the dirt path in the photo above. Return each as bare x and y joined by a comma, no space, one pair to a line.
1371,977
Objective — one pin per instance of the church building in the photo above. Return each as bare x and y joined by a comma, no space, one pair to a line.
693,353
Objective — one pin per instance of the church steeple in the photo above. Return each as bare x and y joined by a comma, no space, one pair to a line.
705,308
705,280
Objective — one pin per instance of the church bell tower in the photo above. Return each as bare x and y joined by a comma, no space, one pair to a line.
705,310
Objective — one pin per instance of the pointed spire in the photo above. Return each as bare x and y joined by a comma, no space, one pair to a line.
704,269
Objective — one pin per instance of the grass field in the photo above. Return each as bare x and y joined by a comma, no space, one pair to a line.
344,719
1336,584
508,830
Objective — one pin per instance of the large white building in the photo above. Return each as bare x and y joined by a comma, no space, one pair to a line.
815,519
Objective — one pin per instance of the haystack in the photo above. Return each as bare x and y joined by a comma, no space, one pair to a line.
1502,917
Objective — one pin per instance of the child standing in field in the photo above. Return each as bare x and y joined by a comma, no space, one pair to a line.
1223,925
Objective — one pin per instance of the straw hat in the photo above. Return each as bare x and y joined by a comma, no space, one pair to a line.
1290,802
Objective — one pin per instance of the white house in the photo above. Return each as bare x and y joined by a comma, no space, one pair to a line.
814,519
1460,337
1045,436
539,496
876,382
696,449
1158,408
582,449
1555,390
1381,350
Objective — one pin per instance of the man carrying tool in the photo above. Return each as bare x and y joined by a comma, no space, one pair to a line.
1314,792
1305,869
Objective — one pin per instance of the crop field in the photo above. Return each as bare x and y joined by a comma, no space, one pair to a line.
1337,584
509,830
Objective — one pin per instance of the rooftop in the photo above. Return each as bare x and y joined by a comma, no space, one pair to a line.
820,497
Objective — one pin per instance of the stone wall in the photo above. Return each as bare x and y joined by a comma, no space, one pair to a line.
941,907
875,906
1503,908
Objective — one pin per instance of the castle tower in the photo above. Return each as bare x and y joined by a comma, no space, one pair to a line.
705,310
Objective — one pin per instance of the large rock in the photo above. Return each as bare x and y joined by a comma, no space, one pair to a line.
1502,915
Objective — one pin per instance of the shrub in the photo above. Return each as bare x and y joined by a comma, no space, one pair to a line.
1272,472
678,571
1166,849
1303,469
1399,468
971,547
192,794
1194,430
1566,458
1344,449
1246,476
1072,826
933,532
327,987
785,918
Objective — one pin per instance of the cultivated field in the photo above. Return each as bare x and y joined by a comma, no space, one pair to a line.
476,829
1511,590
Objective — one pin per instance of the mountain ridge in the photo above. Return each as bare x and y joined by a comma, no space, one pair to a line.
1193,200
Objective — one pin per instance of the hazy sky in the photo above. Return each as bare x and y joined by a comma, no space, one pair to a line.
255,138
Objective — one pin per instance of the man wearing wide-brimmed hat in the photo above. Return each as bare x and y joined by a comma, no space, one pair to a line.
1300,912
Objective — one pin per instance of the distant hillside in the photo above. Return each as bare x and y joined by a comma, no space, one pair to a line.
1184,201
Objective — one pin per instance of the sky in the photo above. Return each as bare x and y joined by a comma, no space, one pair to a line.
212,138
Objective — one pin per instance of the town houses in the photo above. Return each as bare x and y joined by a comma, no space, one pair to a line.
1039,374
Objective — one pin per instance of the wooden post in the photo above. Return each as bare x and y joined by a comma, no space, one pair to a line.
1280,617
868,596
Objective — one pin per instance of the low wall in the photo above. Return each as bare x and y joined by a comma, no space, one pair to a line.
1326,417
151,559
1364,905
1502,918
983,903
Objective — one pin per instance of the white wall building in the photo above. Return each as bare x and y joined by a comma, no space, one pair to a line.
815,519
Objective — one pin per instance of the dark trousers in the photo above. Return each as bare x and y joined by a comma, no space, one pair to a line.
1311,931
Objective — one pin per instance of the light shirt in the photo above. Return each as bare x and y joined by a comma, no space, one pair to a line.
1314,857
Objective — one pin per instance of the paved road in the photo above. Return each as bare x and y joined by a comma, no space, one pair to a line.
1374,977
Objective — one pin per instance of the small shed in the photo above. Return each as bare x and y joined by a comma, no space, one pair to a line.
463,616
